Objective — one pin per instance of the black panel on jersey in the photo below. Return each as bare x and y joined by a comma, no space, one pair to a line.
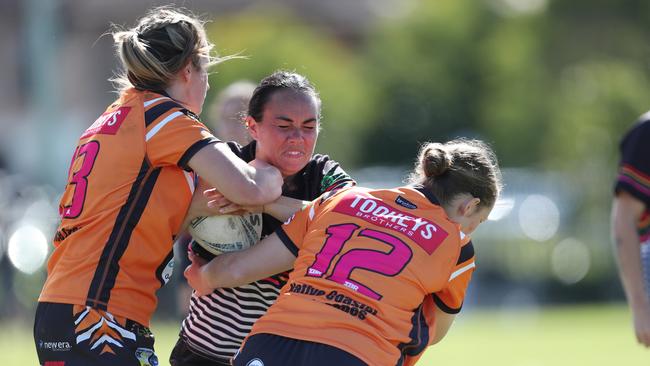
128,217
152,114
635,155
466,253
441,304
419,336
427,193
192,150
287,241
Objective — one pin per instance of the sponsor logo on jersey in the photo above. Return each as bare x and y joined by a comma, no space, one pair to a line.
255,362
167,273
405,203
60,346
108,123
426,234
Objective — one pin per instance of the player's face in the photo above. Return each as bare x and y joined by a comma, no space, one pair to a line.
470,222
198,87
287,134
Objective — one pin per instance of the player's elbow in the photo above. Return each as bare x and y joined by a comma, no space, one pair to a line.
267,194
440,334
259,194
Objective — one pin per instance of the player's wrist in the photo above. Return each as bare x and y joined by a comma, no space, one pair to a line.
206,277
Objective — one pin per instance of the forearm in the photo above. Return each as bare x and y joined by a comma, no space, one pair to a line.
628,252
626,213
239,182
262,260
284,207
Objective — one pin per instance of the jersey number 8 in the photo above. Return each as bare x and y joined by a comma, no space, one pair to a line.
88,153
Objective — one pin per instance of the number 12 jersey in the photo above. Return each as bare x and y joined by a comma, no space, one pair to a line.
370,266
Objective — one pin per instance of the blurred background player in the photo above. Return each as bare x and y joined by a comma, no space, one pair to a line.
631,224
283,119
130,184
227,115
378,274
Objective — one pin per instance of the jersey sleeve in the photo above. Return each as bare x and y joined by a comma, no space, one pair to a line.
174,137
295,228
450,299
334,177
634,168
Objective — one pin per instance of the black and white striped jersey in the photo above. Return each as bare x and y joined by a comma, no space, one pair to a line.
218,323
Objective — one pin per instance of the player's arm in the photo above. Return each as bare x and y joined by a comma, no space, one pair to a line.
626,212
284,207
208,202
443,323
436,325
268,257
245,184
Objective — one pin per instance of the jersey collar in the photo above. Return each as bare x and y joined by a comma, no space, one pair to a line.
427,193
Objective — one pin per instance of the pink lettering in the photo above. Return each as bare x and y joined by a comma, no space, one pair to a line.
426,234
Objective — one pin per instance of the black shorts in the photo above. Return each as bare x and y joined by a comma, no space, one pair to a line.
182,355
75,335
273,350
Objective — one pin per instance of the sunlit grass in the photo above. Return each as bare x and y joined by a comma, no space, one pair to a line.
558,336
562,336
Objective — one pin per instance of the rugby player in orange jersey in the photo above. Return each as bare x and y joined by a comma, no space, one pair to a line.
130,184
378,274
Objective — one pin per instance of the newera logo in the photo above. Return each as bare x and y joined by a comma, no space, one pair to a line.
55,346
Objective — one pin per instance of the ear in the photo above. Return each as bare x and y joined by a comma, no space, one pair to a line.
469,207
186,72
252,126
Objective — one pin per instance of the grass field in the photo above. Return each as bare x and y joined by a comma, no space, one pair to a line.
562,336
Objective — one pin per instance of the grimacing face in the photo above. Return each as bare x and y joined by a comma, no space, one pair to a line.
286,136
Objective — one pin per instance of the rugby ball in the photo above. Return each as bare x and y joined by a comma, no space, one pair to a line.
225,233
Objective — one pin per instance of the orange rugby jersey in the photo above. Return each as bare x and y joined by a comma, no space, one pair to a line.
369,262
128,190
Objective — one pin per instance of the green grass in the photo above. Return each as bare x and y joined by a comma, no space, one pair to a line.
560,336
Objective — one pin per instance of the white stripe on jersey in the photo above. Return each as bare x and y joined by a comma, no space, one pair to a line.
152,101
190,180
462,270
162,124
218,323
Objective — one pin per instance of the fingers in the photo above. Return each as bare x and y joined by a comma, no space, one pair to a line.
212,193
644,338
642,327
195,259
224,206
193,275
232,209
